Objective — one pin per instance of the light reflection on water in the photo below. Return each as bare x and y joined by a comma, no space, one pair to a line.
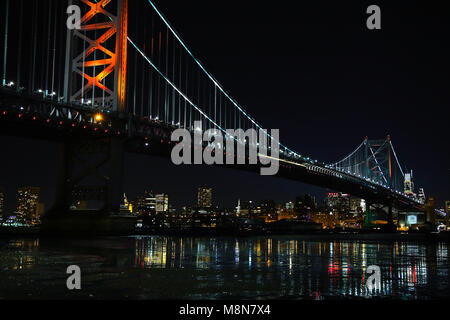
211,268
309,268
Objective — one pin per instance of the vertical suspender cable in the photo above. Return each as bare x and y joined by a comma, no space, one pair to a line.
19,54
5,49
94,83
185,102
143,71
47,53
33,58
180,120
215,103
82,78
173,79
220,110
166,113
54,49
158,85
134,83
151,75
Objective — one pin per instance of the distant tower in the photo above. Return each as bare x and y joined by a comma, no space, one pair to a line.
204,197
421,196
162,203
126,204
409,184
238,208
28,204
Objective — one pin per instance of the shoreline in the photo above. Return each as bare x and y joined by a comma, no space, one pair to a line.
359,235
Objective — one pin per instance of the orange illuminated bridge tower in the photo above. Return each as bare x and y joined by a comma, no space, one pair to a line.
96,55
91,168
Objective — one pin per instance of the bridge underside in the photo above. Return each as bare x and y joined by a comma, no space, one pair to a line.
72,127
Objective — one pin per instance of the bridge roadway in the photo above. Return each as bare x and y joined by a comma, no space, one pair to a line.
33,117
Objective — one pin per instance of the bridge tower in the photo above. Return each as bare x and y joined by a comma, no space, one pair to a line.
96,56
91,170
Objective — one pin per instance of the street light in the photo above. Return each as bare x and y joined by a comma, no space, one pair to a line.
98,117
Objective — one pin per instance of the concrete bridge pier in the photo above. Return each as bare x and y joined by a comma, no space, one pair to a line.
89,190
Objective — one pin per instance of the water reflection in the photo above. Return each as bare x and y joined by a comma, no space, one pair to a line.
19,254
211,268
300,268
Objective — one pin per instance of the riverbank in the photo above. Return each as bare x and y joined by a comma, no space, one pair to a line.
322,235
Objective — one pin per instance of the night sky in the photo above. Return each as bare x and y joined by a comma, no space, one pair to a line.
313,71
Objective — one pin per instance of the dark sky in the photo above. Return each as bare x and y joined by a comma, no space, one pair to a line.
312,70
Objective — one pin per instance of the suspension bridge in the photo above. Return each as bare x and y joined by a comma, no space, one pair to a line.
123,82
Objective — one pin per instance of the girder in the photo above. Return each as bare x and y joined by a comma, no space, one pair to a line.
107,87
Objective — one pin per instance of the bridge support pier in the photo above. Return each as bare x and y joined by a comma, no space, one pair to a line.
369,216
373,209
89,190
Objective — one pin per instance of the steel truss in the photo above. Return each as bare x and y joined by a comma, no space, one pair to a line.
114,63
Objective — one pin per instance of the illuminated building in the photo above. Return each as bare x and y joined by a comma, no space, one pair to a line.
338,202
289,205
186,211
305,205
28,205
145,205
409,185
126,207
204,197
127,204
162,203
247,208
2,200
357,206
268,209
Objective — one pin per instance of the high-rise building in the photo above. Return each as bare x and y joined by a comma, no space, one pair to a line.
409,184
2,200
247,208
145,204
338,201
162,203
357,206
28,205
289,205
126,207
268,207
204,197
305,205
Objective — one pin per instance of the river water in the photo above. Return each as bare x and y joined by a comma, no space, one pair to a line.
222,268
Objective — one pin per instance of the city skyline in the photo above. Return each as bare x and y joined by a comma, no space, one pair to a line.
203,197
317,84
